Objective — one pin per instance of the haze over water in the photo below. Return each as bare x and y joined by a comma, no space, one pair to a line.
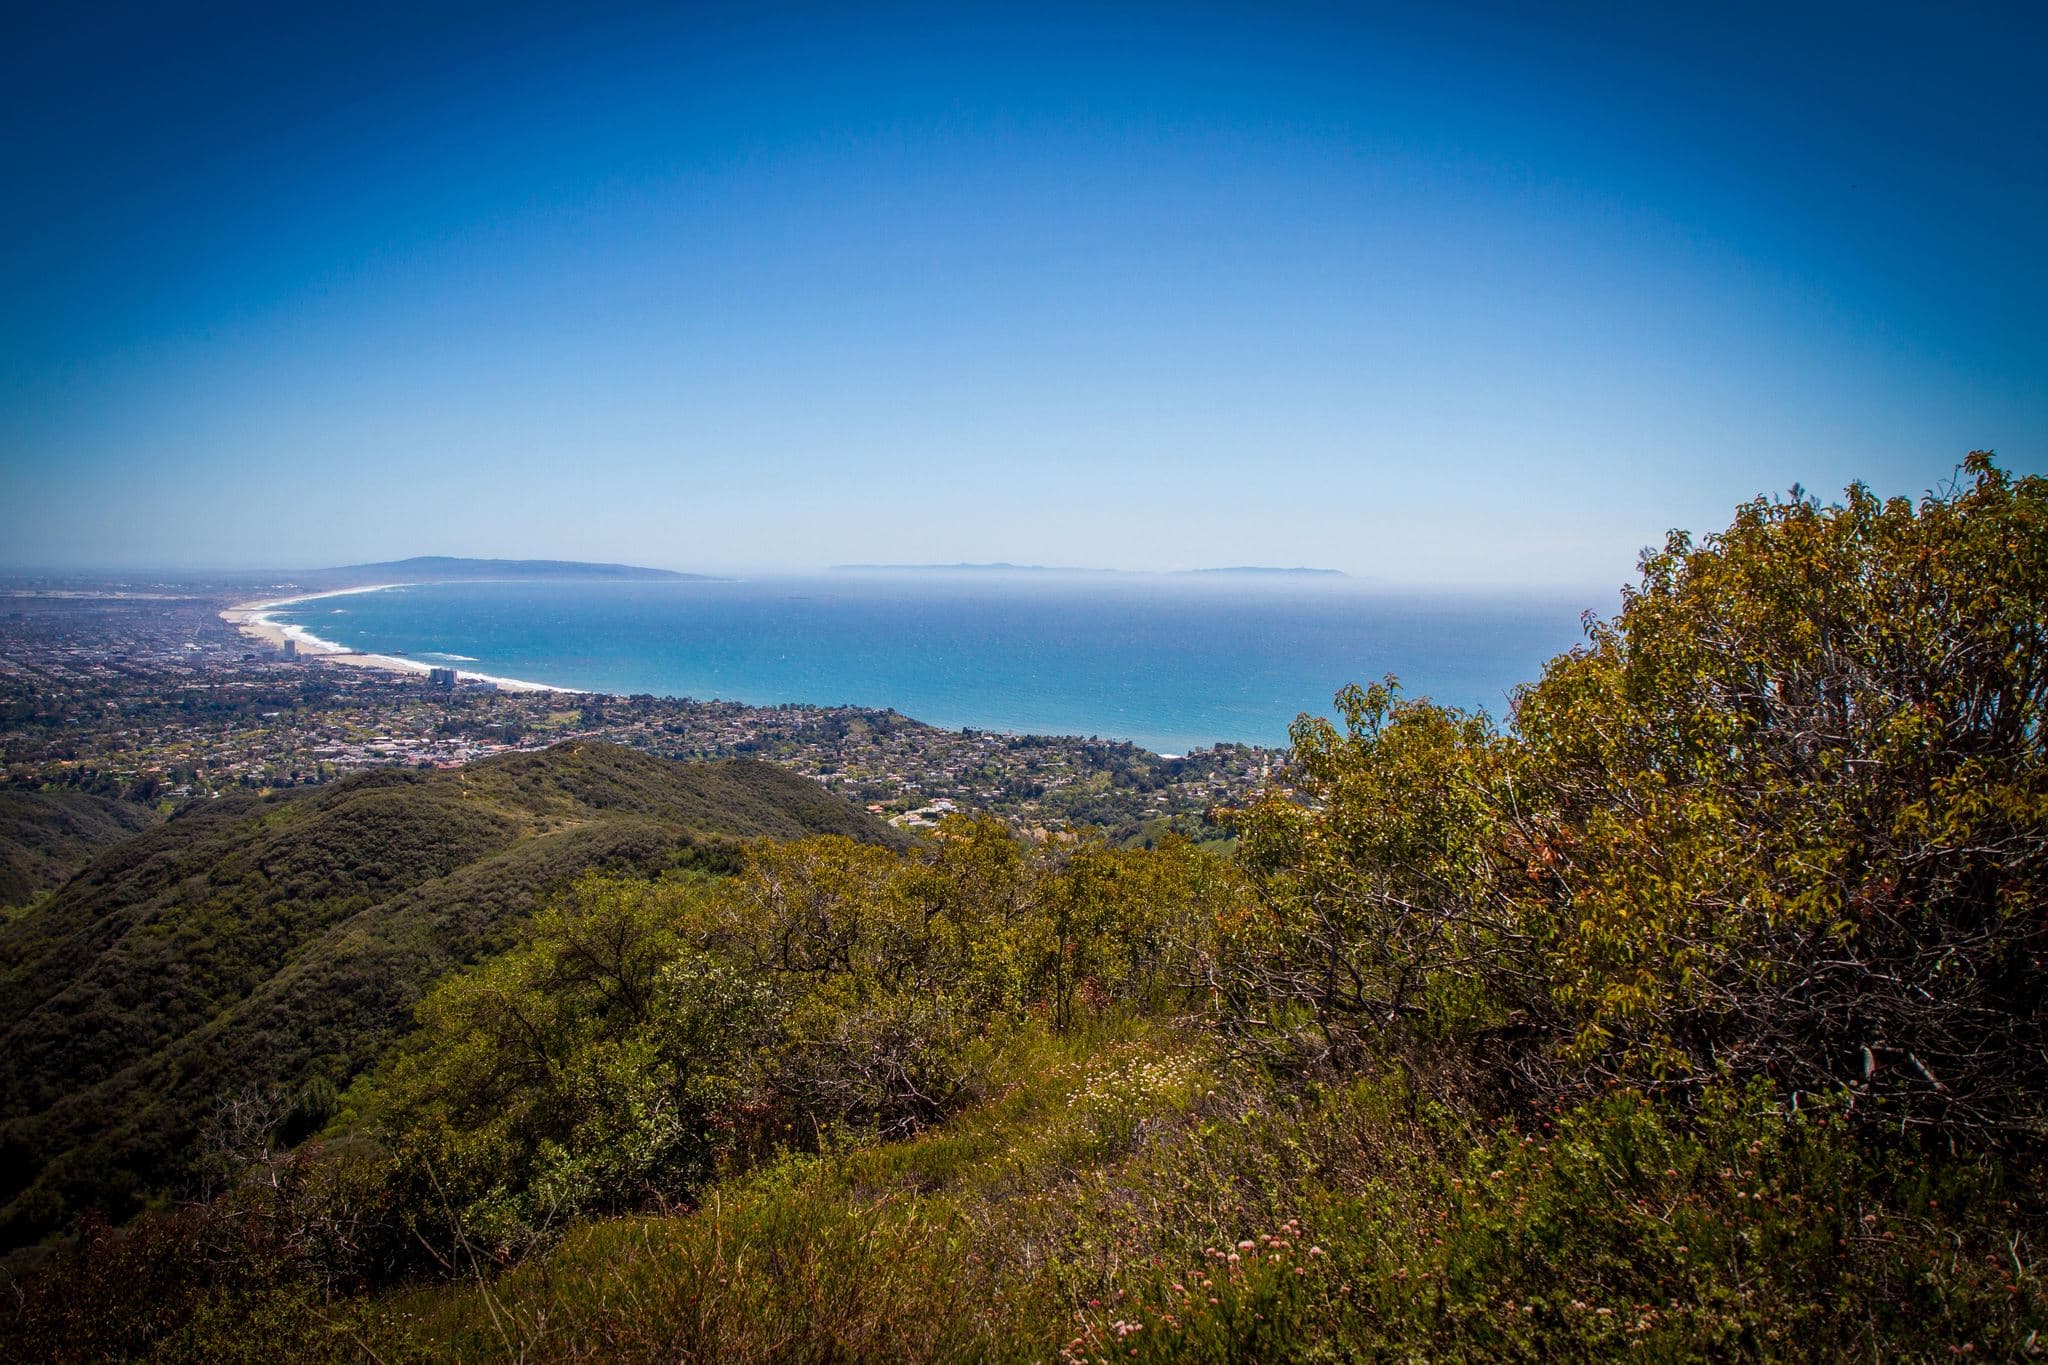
1168,662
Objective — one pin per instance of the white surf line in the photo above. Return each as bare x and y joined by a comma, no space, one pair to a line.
254,620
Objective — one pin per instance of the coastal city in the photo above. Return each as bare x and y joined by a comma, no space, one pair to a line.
143,692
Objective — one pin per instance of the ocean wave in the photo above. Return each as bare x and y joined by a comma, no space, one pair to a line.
452,658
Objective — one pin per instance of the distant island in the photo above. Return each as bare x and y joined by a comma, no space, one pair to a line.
1268,572
1003,567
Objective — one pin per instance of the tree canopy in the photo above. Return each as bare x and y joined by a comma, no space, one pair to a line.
1786,815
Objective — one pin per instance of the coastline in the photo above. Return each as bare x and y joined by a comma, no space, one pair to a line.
253,621
958,656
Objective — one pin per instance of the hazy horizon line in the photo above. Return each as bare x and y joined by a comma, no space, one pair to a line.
1326,578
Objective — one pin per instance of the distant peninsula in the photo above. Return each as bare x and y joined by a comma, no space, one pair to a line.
1260,570
449,569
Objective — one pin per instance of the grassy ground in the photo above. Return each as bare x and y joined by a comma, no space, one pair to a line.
948,1246
1127,1196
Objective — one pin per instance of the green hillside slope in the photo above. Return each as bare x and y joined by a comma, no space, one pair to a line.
47,836
280,941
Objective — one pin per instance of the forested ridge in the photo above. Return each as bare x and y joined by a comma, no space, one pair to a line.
280,941
1695,1008
45,837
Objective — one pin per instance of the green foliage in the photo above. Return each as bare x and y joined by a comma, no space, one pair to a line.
47,836
572,1075
160,1292
1376,913
1367,1225
1132,926
908,1250
253,943
1122,1197
894,973
643,1033
1786,816
1795,800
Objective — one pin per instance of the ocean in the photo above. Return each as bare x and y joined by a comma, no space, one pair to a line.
1170,662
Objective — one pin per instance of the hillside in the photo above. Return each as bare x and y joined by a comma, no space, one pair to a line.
282,941
47,836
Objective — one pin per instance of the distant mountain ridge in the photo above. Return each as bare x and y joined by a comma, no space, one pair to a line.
449,568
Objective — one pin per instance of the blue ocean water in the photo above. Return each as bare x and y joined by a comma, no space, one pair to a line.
1171,662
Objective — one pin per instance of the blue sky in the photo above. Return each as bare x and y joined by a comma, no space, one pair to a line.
1441,294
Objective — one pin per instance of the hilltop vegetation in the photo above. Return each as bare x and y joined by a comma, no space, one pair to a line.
280,941
1699,1012
47,836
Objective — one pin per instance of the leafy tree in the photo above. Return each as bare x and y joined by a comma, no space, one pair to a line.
1128,927
1795,810
576,1073
1786,815
1379,913
888,970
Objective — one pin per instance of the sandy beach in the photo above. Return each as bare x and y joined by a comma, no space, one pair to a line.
253,620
